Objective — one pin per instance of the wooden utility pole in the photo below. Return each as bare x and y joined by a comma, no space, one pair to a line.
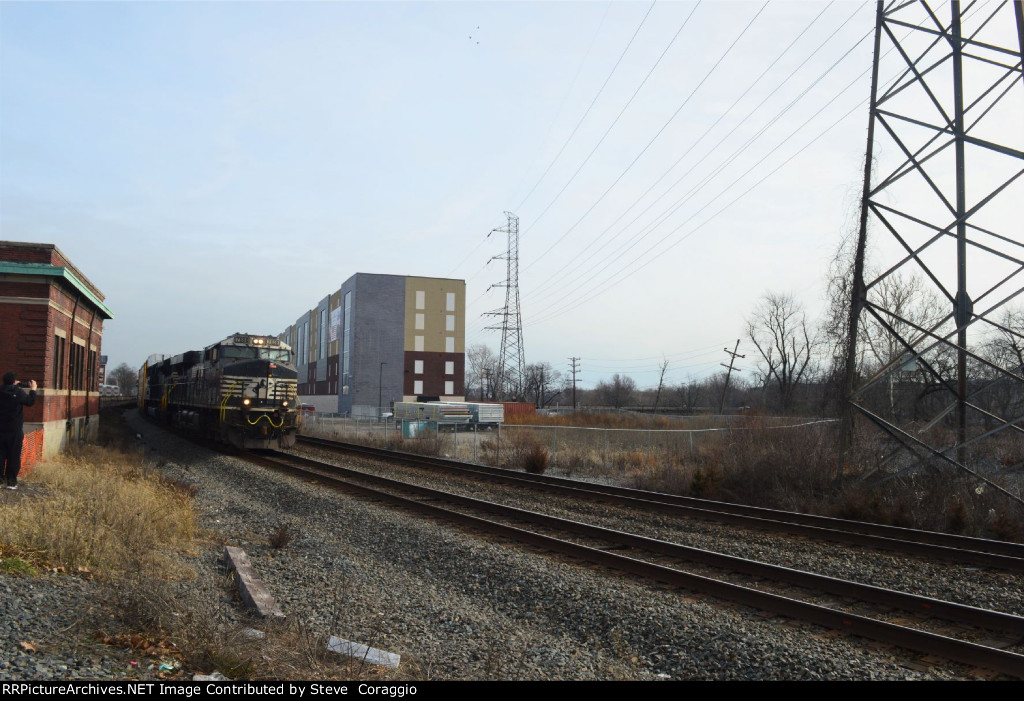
734,354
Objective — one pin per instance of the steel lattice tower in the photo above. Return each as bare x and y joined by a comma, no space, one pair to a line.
511,360
943,197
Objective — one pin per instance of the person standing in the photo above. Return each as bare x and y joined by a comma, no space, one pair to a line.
13,400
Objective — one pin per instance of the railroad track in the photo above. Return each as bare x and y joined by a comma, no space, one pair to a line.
930,544
658,560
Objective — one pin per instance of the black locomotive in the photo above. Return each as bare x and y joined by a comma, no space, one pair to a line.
242,390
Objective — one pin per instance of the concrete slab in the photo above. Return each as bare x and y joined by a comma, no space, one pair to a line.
363,652
250,587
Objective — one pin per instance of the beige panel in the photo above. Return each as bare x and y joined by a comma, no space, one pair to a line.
435,310
333,302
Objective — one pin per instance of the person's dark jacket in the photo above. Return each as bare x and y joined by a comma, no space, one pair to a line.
13,400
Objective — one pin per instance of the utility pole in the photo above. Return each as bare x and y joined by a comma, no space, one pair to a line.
734,354
486,383
575,364
380,391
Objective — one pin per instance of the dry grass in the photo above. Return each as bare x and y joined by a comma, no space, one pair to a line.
761,460
605,420
98,510
105,512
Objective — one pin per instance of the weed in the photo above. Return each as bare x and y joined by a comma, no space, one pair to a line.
704,482
535,460
956,519
281,536
1005,527
15,565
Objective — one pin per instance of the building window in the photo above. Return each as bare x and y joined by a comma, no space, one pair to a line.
450,302
421,299
419,322
449,367
417,387
418,341
91,384
449,322
449,344
449,388
59,354
417,367
77,370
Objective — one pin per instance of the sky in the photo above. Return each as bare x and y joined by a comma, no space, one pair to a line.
221,167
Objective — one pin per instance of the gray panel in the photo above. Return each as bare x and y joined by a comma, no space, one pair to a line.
378,308
321,355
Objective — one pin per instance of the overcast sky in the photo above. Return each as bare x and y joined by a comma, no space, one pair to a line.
220,167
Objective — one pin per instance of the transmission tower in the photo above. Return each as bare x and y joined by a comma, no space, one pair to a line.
942,199
511,363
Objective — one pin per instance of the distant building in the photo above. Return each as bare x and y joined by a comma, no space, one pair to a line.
51,318
381,339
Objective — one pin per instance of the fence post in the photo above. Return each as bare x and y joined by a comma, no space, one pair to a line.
456,441
475,441
690,434
604,448
497,452
554,449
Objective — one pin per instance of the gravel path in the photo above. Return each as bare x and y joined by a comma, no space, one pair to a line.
455,605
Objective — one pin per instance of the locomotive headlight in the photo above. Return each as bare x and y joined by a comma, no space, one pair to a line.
284,403
246,402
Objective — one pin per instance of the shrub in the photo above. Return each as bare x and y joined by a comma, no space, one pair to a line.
535,459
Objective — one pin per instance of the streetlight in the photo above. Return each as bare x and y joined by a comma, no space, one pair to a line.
380,391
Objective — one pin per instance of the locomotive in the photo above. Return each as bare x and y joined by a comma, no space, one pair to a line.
242,391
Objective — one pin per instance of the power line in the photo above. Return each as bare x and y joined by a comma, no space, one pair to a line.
590,107
580,262
616,120
628,273
720,168
561,106
649,143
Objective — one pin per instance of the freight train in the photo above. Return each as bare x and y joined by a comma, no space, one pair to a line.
242,391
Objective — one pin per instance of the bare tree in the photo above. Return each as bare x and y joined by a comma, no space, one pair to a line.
126,378
542,384
617,393
481,370
661,382
779,330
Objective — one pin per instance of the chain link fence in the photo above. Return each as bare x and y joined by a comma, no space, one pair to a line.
575,451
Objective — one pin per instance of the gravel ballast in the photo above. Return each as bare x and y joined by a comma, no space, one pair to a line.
453,604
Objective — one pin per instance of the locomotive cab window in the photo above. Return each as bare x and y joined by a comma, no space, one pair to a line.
237,352
249,353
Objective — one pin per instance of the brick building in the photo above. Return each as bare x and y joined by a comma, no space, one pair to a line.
51,327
